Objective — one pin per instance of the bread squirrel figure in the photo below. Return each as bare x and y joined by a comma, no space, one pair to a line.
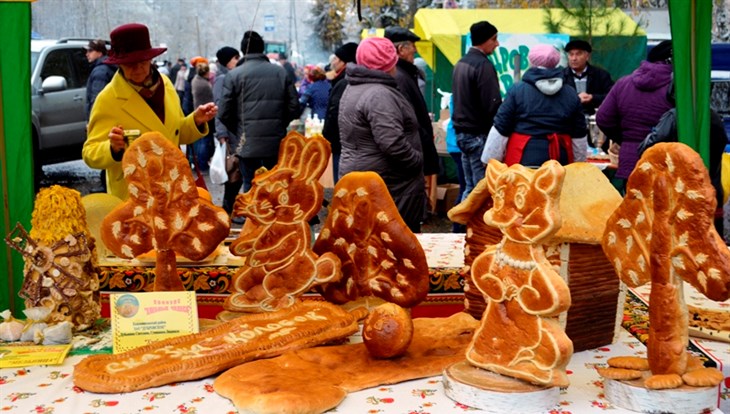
520,336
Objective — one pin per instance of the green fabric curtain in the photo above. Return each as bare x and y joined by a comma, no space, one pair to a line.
691,22
16,150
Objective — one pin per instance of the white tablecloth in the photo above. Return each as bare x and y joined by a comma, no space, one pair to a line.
49,389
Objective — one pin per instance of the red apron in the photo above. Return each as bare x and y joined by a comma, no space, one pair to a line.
517,142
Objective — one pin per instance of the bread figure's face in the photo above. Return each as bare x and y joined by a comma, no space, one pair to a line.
524,207
278,196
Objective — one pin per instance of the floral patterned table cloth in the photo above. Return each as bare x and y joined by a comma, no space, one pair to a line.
50,389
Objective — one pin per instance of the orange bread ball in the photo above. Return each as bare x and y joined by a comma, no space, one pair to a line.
387,331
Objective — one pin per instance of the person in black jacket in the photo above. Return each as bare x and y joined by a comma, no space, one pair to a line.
101,74
259,101
331,130
406,77
540,119
591,82
477,98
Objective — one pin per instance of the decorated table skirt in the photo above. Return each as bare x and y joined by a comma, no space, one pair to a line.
444,253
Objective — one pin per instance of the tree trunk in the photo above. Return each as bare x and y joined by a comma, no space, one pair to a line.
166,277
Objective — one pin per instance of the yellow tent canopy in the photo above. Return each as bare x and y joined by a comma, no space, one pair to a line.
444,28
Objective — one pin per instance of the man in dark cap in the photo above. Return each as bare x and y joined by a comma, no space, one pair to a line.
661,53
288,67
227,60
477,97
331,131
258,102
406,76
592,83
100,74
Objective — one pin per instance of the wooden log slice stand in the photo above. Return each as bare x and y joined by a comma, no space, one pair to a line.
633,395
496,394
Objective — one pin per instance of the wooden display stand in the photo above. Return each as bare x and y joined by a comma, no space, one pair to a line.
496,394
632,395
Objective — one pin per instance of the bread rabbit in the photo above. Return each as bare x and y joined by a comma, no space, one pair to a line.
279,262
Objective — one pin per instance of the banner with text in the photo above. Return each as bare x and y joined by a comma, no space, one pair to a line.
510,58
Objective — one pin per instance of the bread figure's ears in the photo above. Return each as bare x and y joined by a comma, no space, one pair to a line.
315,157
549,177
494,170
290,151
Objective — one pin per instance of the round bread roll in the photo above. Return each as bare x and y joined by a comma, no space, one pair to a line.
387,331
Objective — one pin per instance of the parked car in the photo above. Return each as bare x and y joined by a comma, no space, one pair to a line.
59,71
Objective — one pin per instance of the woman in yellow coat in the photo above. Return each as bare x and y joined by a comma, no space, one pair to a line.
137,99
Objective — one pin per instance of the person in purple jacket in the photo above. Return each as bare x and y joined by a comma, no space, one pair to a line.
634,105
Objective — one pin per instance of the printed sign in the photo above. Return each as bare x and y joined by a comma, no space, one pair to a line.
29,355
143,318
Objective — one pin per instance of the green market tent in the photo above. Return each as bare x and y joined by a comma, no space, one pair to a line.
444,33
691,25
16,159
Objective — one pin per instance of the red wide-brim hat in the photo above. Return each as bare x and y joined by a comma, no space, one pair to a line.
131,44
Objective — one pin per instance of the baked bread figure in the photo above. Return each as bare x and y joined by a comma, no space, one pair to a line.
316,380
587,200
380,256
520,336
60,272
164,211
188,357
387,331
663,233
275,242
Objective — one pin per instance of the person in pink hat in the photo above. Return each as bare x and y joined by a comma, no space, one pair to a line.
137,100
540,119
379,129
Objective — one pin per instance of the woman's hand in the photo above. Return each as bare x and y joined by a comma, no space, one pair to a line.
205,113
116,139
613,150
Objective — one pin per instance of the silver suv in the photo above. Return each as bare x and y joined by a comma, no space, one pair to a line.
59,71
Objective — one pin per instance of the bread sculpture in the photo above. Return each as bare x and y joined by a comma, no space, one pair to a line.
519,335
587,200
663,233
279,264
194,356
315,380
163,212
380,256
60,272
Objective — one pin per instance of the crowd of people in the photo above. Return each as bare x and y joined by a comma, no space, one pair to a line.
370,99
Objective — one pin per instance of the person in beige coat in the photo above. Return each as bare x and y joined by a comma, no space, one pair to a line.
137,100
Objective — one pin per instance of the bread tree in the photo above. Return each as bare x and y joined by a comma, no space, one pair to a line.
663,232
163,212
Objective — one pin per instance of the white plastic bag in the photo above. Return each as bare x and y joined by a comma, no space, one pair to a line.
218,173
